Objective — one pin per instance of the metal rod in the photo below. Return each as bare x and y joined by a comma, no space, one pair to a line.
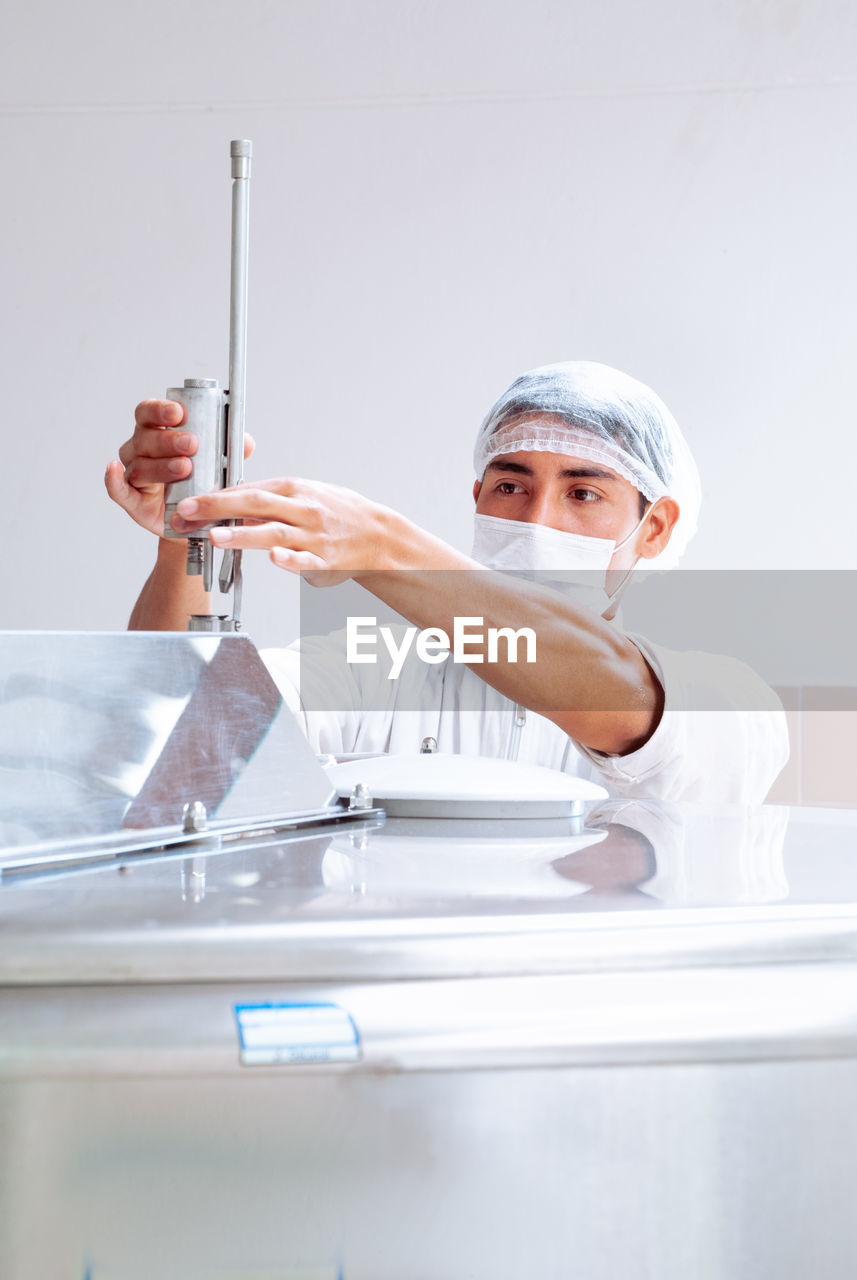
241,152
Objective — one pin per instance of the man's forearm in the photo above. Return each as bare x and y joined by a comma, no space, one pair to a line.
169,595
589,679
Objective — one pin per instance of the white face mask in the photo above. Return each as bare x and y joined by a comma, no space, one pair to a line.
569,562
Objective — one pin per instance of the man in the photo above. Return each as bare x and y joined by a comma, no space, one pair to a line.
579,467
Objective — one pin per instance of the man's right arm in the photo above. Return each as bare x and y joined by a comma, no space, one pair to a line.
170,595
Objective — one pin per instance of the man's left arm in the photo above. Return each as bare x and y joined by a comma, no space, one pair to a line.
588,678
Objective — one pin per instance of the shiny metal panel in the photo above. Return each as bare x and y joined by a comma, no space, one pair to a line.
105,735
719,1171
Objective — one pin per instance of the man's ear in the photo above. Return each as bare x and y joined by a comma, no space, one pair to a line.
659,526
477,486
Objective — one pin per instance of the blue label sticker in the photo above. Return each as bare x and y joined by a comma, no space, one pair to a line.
269,1034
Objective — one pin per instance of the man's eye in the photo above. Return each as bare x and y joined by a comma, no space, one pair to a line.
585,495
508,486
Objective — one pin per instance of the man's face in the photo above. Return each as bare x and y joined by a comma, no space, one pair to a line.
562,492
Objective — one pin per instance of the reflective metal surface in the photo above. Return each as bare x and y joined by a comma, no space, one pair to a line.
421,899
625,1051
107,737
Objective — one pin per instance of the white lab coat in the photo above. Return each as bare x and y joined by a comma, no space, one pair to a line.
722,738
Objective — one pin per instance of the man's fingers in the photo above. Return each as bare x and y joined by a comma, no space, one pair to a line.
260,534
300,562
118,488
114,480
147,442
146,507
252,502
143,472
256,536
281,540
249,445
159,413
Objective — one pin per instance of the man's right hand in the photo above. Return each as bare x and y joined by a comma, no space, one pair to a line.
152,458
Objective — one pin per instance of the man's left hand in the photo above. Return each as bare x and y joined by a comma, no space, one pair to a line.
308,527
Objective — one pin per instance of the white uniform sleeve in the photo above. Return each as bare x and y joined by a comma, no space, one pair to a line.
722,738
340,708
327,731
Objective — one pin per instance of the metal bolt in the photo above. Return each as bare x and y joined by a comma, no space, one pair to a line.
428,746
360,798
194,817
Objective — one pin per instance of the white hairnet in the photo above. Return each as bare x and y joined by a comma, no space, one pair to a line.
591,411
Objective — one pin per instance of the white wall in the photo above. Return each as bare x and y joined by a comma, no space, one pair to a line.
445,194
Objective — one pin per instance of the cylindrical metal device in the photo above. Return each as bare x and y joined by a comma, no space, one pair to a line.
203,399
211,622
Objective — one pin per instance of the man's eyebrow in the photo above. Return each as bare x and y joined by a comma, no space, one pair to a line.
567,473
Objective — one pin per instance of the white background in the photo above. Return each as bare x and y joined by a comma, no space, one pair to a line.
444,194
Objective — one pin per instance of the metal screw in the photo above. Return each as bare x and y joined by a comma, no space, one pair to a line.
195,556
428,746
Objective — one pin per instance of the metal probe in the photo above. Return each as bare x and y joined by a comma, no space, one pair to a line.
216,416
